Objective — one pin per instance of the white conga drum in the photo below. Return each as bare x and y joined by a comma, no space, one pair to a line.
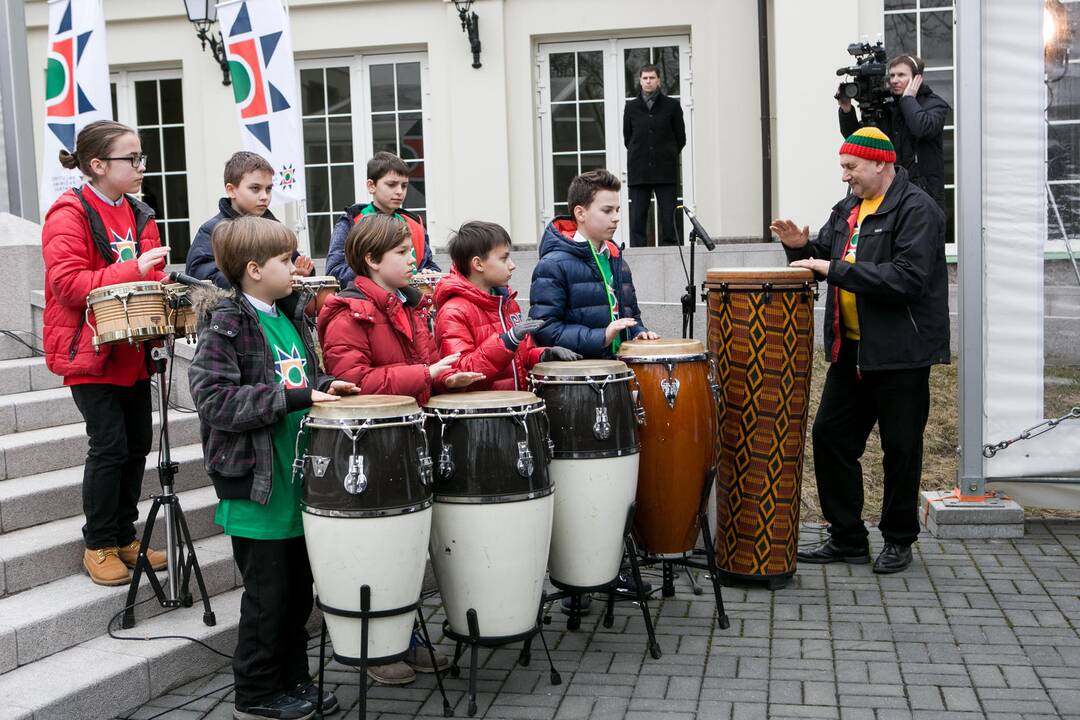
491,522
367,519
594,429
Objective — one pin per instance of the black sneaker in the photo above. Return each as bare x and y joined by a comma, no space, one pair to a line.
627,585
309,692
583,609
282,707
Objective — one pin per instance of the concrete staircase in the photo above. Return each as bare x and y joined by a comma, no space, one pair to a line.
56,658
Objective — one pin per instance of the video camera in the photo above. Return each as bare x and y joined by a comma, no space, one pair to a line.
868,85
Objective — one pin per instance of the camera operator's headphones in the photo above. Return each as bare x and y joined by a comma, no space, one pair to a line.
915,65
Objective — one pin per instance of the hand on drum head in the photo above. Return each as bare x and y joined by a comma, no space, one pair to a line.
319,396
151,259
648,335
559,353
616,327
463,379
790,234
341,387
304,265
821,267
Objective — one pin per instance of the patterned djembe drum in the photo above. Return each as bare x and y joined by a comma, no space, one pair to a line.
761,331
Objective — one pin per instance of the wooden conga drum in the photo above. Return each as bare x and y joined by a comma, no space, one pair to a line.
678,441
761,330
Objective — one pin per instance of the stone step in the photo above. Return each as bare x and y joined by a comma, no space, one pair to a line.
26,373
57,494
37,409
43,553
64,446
105,677
63,613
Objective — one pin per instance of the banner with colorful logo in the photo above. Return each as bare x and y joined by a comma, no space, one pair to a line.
76,87
258,44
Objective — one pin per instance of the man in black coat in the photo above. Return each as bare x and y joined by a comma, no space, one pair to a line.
654,135
886,322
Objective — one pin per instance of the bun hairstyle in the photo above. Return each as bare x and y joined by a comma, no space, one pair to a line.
96,140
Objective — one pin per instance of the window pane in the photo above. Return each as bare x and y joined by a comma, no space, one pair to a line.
151,195
1063,152
900,34
338,92
318,189
561,70
112,93
937,38
146,107
314,142
412,136
408,86
564,127
899,4
416,197
566,169
667,59
151,145
172,102
633,59
592,126
175,157
593,161
382,87
342,185
941,82
936,3
1073,12
319,234
947,148
591,75
384,133
950,215
179,241
312,99
1064,95
341,147
176,195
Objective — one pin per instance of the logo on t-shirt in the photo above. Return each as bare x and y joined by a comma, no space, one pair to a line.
289,367
123,247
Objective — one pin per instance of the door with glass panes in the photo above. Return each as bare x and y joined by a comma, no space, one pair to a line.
583,89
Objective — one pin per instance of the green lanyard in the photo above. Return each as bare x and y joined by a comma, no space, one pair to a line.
611,299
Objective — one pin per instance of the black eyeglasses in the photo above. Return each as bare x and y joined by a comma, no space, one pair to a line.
138,162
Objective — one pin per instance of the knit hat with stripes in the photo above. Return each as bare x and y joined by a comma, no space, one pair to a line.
869,143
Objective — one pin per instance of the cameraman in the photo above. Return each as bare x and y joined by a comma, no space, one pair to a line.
914,119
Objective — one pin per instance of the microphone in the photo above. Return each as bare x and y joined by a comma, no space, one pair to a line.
702,235
185,279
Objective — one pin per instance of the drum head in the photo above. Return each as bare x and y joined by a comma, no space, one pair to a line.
757,275
320,281
141,287
580,368
361,407
484,399
664,347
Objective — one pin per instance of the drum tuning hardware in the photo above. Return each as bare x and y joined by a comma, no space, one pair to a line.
767,288
319,463
601,428
525,459
355,480
446,463
725,293
670,385
425,466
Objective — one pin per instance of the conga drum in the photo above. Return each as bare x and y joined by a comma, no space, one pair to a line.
127,312
678,441
367,518
594,429
491,522
761,329
323,286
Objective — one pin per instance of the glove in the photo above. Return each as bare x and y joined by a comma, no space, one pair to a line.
513,337
559,353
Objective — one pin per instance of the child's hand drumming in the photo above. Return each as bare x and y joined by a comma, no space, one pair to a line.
341,387
463,379
319,396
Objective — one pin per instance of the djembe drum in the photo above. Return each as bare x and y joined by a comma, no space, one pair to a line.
761,330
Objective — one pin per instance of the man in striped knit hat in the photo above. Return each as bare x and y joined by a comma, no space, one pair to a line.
882,252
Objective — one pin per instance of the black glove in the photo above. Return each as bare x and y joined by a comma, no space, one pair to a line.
559,353
513,337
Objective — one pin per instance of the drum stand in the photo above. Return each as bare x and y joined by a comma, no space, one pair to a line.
573,620
475,641
690,564
364,614
179,547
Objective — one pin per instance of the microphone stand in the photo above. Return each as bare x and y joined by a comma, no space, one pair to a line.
689,300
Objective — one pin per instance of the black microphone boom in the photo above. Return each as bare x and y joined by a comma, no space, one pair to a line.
702,235
185,279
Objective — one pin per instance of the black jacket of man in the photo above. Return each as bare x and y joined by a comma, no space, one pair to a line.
915,125
653,138
899,279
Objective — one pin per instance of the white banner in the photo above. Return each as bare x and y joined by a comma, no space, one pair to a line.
76,87
258,44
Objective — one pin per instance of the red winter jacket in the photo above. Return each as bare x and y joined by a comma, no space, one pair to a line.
470,321
369,337
74,266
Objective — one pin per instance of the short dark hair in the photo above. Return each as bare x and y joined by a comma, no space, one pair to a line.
383,163
476,239
244,162
648,67
584,187
373,235
96,140
912,61
248,239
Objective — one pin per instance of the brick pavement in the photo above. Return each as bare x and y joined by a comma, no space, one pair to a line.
974,629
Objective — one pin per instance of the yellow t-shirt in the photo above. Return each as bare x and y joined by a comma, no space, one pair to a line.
849,316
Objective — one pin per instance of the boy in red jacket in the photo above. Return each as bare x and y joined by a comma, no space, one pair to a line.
478,316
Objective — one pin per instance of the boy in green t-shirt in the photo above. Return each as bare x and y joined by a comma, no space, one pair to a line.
254,376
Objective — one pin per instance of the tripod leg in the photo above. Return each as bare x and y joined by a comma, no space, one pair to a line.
642,596
455,668
714,572
185,535
365,608
128,621
322,668
609,609
556,678
474,657
447,710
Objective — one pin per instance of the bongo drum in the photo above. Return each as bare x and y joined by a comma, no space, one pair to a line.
426,281
594,429
678,441
323,286
127,312
761,328
367,518
179,311
491,521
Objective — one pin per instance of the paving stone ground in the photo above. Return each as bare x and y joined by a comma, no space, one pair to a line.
974,629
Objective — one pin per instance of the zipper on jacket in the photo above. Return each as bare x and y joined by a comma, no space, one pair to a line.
513,363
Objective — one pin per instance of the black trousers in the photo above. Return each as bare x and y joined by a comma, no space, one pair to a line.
899,402
120,430
271,642
640,199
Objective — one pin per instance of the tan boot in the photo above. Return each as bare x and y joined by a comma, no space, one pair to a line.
130,553
104,566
